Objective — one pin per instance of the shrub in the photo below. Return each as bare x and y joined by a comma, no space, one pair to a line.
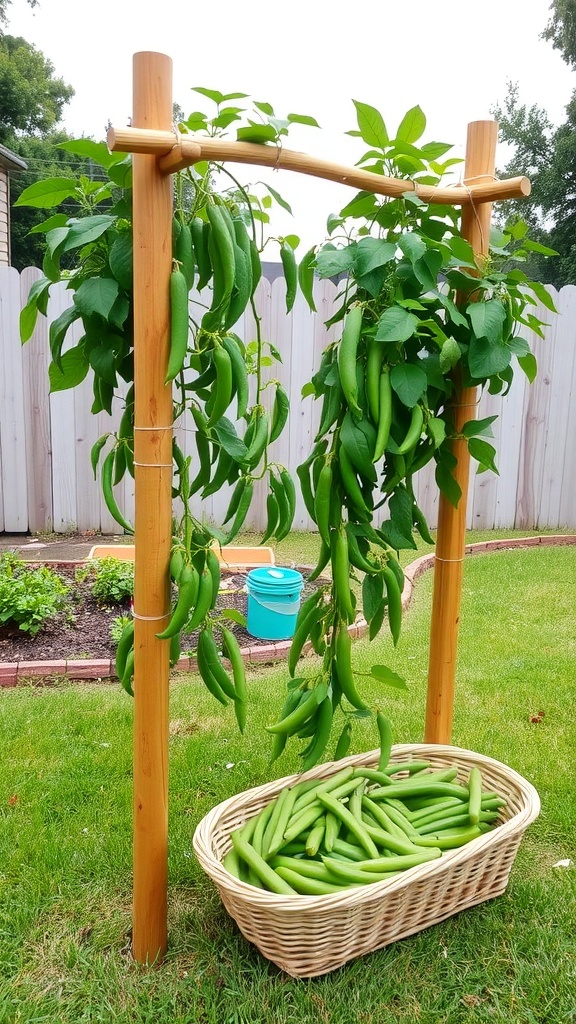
29,596
113,580
118,626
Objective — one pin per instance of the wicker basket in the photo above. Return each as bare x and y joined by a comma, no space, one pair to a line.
311,935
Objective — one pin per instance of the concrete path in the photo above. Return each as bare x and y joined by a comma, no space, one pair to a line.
56,547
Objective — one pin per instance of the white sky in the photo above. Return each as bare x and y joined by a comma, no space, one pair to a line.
305,56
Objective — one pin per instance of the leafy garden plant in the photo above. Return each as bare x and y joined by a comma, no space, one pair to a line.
112,580
29,597
422,315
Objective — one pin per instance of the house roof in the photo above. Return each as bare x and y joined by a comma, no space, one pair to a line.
11,161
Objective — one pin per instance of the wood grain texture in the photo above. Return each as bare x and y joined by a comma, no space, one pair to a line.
152,226
452,521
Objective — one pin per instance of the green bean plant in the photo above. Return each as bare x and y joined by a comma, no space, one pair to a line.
421,315
220,231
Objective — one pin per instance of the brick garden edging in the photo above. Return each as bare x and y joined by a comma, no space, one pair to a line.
13,673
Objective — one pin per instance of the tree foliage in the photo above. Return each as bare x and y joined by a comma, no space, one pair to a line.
547,154
4,5
32,97
561,29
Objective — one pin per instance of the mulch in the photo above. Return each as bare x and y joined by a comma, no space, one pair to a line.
82,630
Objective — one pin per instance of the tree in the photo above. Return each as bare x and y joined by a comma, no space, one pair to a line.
529,133
547,154
4,4
46,158
561,29
32,98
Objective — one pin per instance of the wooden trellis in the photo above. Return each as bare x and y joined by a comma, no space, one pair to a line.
159,151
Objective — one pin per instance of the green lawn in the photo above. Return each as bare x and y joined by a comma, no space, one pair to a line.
65,833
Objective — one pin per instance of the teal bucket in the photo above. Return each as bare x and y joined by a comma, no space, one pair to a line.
273,602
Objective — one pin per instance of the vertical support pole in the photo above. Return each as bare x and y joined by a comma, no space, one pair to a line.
152,219
451,533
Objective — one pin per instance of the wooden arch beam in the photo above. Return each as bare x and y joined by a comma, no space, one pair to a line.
176,152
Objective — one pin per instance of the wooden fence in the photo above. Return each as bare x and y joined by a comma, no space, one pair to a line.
46,480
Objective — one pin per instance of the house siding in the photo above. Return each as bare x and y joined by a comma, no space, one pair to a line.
4,219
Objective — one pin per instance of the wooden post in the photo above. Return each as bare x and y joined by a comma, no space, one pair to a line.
152,219
451,533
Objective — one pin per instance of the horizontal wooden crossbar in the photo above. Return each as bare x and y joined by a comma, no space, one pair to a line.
176,152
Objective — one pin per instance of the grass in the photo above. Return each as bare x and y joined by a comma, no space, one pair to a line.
65,834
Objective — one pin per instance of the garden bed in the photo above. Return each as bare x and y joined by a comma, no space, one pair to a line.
82,630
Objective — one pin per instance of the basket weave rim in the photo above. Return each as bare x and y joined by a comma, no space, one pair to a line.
352,897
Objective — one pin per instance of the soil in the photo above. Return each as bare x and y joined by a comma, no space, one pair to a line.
82,630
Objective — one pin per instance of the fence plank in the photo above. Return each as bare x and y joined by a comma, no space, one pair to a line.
12,412
35,361
534,427
52,435
558,493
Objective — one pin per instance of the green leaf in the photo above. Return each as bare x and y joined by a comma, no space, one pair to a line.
371,125
233,615
400,508
372,593
305,276
121,259
485,359
426,269
226,433
257,133
412,245
331,261
217,96
276,195
37,302
364,204
529,365
538,247
542,293
372,253
97,295
47,193
461,250
377,620
519,346
86,230
448,485
226,117
385,675
409,382
473,428
103,361
265,108
397,540
450,354
57,220
483,453
303,119
359,440
58,330
72,371
396,325
487,319
436,429
452,309
412,126
434,150
96,151
308,389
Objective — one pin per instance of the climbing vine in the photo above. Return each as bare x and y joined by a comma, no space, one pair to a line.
421,315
